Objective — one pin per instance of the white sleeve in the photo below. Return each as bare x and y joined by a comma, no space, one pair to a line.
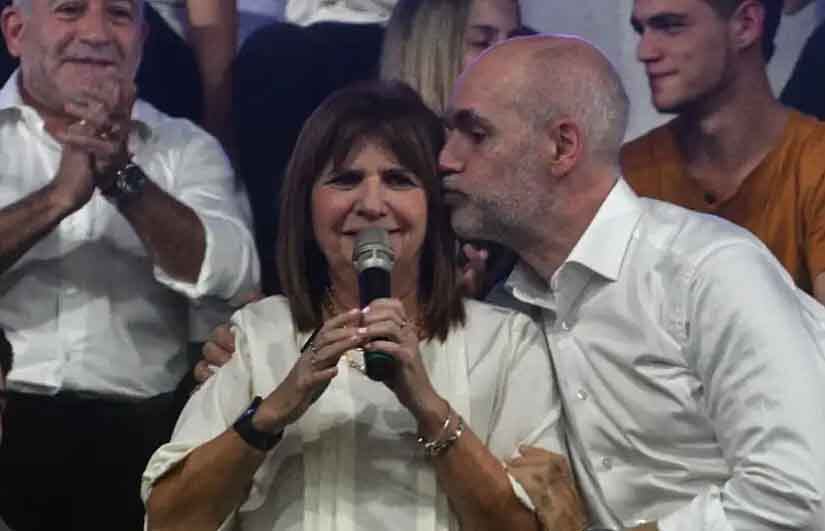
209,412
762,371
202,178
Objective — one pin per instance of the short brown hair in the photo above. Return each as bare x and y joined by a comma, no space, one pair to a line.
773,13
392,114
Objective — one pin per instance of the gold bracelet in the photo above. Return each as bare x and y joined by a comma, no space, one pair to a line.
422,441
438,447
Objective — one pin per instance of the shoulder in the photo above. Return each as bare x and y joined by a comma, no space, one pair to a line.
642,158
678,241
643,148
271,310
803,148
169,131
486,322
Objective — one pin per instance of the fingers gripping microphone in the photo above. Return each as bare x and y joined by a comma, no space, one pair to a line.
373,259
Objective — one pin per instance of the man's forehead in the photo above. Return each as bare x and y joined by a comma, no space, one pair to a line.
648,8
135,3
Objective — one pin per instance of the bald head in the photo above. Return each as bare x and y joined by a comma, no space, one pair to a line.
553,76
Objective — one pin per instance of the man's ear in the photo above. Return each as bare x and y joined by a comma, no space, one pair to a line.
566,145
13,24
747,24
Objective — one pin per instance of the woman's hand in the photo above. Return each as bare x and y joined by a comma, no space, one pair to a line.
386,328
310,375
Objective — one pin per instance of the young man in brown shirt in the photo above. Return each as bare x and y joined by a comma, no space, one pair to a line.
733,149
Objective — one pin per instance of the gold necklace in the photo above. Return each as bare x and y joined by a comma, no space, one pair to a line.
355,356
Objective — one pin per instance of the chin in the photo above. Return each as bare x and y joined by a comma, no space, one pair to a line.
464,226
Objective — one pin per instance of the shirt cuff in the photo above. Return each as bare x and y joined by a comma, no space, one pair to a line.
230,268
521,494
704,513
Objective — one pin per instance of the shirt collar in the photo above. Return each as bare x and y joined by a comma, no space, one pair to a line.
603,245
11,101
12,104
601,249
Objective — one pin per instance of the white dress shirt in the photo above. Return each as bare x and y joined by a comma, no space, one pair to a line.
691,371
84,308
352,462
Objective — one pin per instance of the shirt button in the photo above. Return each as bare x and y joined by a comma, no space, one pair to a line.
607,463
582,394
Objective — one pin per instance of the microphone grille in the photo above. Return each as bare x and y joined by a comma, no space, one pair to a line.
373,249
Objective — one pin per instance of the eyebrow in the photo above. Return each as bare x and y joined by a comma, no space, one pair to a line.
659,20
133,3
466,119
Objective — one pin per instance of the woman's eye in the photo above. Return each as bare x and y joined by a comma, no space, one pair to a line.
400,179
345,179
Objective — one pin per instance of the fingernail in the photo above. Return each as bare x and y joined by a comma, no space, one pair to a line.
362,331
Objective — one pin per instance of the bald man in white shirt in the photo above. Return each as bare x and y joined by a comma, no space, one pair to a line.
689,364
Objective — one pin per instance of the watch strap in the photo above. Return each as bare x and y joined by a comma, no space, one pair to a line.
126,184
255,438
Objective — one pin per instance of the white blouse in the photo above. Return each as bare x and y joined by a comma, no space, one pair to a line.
352,461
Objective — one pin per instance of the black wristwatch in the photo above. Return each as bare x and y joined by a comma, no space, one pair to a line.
126,184
255,438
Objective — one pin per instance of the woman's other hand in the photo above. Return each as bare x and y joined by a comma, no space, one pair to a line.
311,374
387,328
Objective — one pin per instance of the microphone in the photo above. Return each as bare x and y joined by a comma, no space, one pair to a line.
373,259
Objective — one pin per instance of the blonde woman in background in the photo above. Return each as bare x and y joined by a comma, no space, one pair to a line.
428,42
426,45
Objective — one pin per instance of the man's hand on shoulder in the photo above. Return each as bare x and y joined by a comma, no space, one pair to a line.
549,483
216,352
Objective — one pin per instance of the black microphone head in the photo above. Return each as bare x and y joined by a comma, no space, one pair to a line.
373,249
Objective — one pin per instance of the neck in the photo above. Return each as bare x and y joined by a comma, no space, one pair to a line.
344,294
566,222
732,131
